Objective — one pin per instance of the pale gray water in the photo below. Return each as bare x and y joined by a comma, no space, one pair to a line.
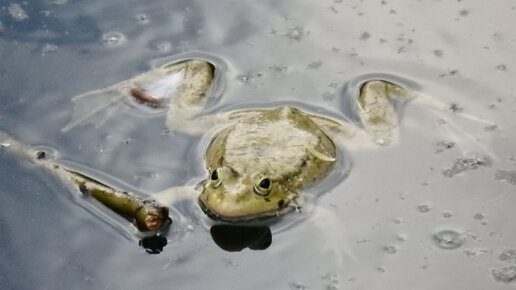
434,212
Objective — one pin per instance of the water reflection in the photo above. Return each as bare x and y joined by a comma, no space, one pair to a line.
235,238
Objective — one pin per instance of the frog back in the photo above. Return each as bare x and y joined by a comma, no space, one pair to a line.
283,144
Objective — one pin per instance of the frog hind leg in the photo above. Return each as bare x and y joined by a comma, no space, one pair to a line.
342,133
377,112
92,103
181,87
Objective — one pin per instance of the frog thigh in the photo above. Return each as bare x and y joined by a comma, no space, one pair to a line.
175,194
343,134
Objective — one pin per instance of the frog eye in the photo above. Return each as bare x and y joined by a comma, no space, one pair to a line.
263,186
216,177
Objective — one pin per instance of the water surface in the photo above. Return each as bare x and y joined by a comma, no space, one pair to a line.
434,211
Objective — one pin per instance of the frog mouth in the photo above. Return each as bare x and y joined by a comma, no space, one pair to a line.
263,216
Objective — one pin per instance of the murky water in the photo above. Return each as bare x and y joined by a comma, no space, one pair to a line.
435,211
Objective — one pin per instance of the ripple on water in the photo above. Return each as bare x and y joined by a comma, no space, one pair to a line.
113,39
447,214
390,249
423,208
142,18
448,239
501,67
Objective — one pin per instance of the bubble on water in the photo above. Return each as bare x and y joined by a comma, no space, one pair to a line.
448,239
247,77
365,35
390,249
506,175
501,67
438,52
296,286
506,274
401,238
447,214
463,164
423,208
508,256
142,18
333,280
443,145
17,12
479,216
296,33
48,48
113,39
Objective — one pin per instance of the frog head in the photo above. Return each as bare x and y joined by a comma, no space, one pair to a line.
232,196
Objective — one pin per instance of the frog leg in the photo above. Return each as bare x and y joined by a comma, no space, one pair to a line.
175,194
458,125
376,111
377,115
342,133
146,214
183,87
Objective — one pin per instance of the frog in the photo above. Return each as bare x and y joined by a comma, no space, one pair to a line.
258,159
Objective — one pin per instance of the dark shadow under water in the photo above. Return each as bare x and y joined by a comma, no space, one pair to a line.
231,238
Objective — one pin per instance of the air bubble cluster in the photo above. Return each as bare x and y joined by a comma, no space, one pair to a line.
464,164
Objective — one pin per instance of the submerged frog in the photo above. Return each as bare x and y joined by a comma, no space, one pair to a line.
259,158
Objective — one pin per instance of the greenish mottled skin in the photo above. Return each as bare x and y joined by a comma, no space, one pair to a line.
269,145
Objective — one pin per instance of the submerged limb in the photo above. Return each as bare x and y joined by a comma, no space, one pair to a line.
376,111
181,86
456,124
147,215
89,104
